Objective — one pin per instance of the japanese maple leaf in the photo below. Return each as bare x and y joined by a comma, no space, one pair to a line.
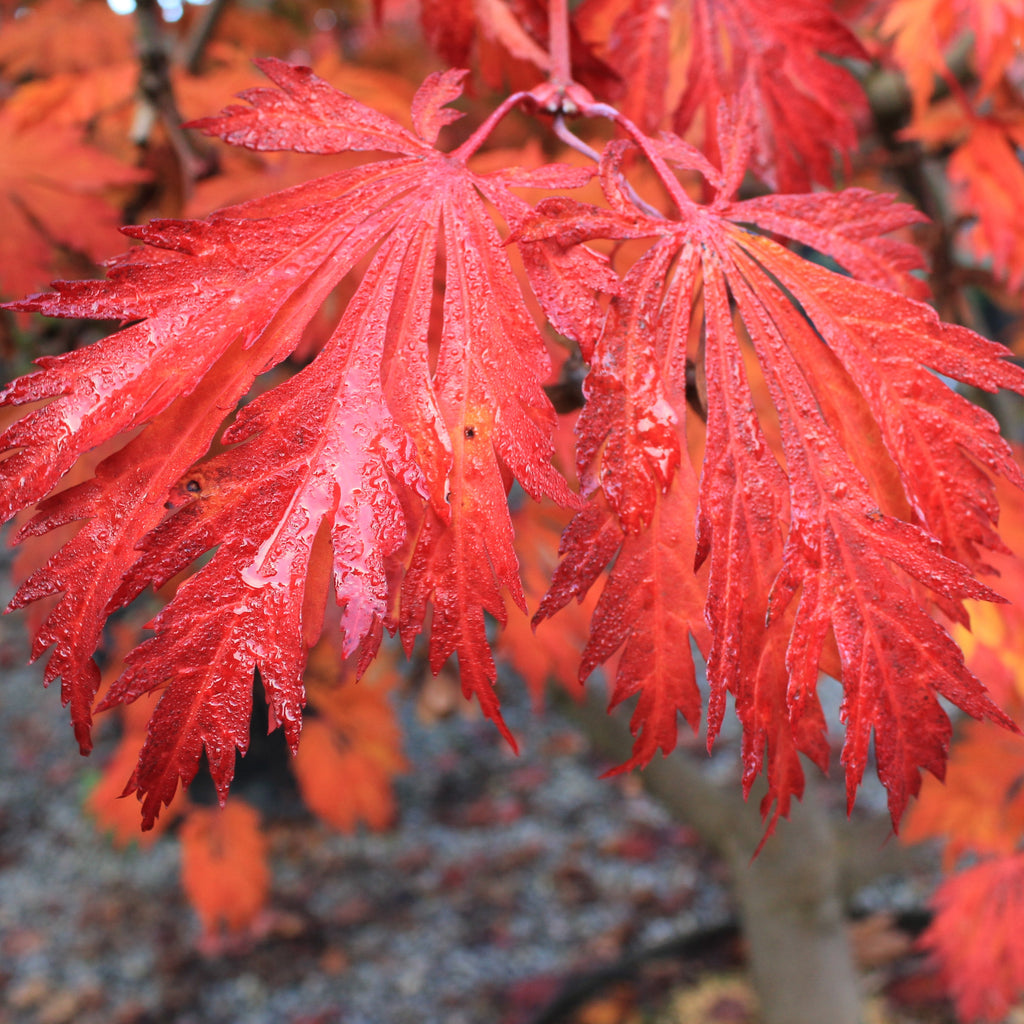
224,869
782,62
379,472
352,750
636,37
872,513
978,812
986,174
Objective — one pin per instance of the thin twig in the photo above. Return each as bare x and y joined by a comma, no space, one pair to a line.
195,45
156,93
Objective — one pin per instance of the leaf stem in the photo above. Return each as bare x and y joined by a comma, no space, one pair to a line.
561,129
675,189
477,139
558,42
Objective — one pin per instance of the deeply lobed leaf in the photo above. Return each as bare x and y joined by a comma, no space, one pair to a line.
877,503
387,459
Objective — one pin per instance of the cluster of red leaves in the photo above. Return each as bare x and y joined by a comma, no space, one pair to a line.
373,471
773,467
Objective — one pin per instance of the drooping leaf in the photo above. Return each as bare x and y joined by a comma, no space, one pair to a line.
986,176
390,454
629,453
857,538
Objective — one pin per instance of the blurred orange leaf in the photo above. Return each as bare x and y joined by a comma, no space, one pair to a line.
56,36
53,195
922,31
343,782
224,865
350,751
980,807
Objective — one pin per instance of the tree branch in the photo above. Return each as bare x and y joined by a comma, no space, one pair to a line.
157,103
195,45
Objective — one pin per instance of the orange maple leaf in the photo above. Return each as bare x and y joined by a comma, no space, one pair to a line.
922,32
54,195
980,807
224,868
350,752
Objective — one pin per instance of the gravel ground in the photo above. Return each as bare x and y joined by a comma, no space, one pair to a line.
503,876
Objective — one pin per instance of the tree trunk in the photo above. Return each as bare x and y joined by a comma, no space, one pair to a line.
793,919
790,898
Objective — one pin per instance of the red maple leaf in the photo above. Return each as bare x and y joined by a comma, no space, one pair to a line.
380,473
370,457
976,937
854,536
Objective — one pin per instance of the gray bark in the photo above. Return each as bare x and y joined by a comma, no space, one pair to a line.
791,897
